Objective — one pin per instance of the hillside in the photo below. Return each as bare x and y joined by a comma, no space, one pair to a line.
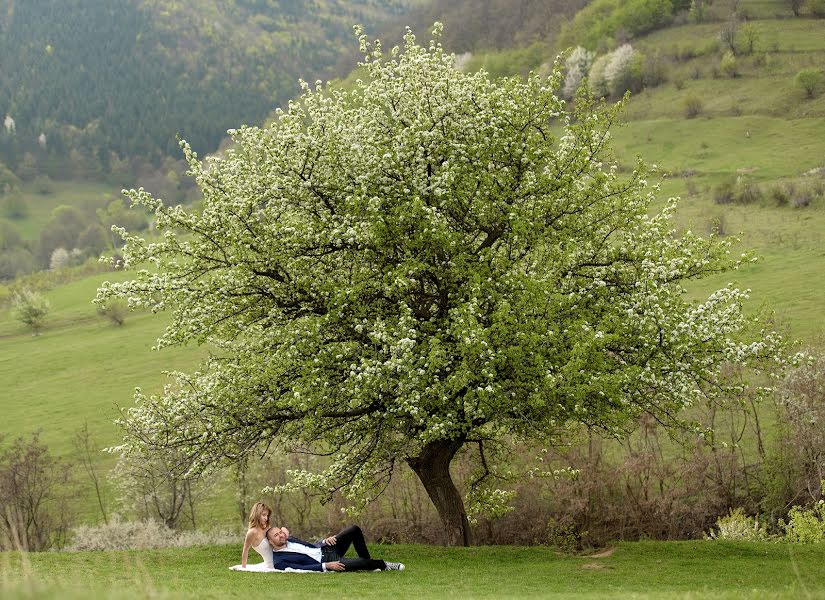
111,79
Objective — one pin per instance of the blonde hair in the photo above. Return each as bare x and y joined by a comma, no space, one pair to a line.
256,515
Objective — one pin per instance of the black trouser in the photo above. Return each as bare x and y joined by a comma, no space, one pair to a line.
363,564
352,536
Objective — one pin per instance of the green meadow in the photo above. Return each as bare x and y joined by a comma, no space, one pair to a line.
757,125
639,570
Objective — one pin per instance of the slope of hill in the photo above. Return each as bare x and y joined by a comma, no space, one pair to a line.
125,76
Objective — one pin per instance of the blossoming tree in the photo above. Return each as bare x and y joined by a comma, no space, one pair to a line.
427,263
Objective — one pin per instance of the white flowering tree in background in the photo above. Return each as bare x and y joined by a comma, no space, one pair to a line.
576,66
429,263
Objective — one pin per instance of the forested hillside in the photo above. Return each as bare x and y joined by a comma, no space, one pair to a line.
110,79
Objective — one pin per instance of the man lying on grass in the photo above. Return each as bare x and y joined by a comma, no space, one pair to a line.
327,554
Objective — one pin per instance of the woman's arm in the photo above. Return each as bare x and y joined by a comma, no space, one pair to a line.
247,542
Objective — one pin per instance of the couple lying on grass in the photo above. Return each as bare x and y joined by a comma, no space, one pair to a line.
282,551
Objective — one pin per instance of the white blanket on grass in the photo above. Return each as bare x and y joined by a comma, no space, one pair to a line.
262,568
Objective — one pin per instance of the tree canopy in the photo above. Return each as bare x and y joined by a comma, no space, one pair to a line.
431,261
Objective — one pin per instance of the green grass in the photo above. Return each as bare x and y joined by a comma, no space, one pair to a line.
693,570
81,368
74,193
769,148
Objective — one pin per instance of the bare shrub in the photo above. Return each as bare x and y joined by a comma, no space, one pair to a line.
725,191
801,402
33,492
141,535
781,193
156,488
803,196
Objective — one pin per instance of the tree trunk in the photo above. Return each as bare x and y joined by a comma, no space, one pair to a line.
432,466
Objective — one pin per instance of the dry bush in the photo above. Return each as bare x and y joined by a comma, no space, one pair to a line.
33,497
142,535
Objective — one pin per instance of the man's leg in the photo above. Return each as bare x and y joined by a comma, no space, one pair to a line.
363,564
351,536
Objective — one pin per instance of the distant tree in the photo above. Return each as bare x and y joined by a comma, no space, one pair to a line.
16,261
817,8
86,449
118,214
62,231
422,266
619,70
14,205
750,33
795,6
9,182
10,237
27,169
729,33
809,81
59,259
576,66
596,79
94,239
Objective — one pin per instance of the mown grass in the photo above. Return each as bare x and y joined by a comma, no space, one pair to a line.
695,569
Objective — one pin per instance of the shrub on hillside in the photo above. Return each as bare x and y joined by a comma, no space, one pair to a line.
728,65
781,193
31,309
693,106
724,191
576,66
809,81
114,310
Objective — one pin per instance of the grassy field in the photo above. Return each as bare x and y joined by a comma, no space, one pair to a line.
84,195
683,570
756,124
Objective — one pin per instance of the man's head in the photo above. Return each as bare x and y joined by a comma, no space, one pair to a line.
277,536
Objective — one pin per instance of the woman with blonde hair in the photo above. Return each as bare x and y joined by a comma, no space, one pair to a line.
256,536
